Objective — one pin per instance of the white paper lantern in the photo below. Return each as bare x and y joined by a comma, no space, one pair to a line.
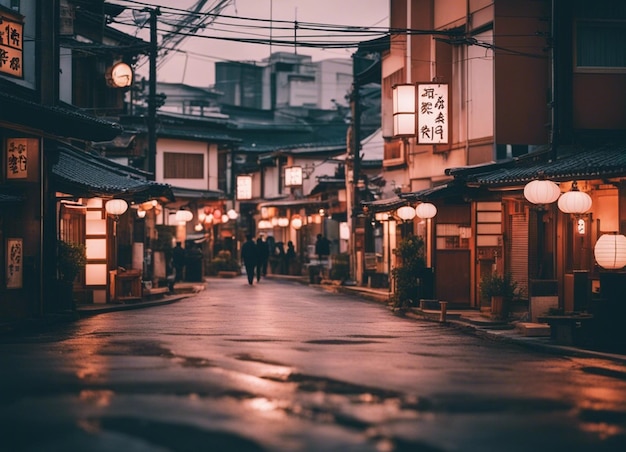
574,201
541,191
232,214
610,251
296,222
265,224
116,207
283,222
406,213
183,216
426,210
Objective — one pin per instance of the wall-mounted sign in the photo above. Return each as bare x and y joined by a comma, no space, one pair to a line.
11,53
17,158
120,75
15,259
293,176
244,187
432,113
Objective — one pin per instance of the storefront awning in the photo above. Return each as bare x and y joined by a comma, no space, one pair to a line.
190,193
84,174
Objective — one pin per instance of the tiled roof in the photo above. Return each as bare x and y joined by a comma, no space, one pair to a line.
84,174
578,164
190,193
58,120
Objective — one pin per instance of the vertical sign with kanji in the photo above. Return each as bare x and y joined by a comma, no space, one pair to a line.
17,158
11,46
14,270
432,113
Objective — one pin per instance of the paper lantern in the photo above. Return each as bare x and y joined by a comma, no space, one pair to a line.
541,192
574,201
296,222
141,213
426,210
116,207
283,222
183,216
403,110
232,214
265,224
610,251
406,213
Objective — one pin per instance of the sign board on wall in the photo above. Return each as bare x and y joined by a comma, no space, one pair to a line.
432,113
244,187
11,52
14,264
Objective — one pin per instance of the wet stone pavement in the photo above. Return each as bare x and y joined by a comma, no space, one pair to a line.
281,366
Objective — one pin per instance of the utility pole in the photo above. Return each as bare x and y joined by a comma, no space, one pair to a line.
152,107
355,150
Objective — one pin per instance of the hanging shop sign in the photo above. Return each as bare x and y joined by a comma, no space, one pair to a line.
432,113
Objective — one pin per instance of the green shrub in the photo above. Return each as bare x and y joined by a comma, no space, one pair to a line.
71,259
223,262
410,253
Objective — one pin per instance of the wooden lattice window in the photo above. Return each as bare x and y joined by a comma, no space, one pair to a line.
183,166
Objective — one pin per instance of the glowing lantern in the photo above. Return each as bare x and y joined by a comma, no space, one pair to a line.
610,251
541,192
406,213
426,210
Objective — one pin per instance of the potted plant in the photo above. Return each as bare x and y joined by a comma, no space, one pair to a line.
499,290
71,259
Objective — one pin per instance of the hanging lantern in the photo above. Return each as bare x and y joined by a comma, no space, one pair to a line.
381,216
610,251
232,214
406,213
116,207
541,191
265,224
283,222
403,110
296,222
574,201
426,210
183,216
225,218
141,213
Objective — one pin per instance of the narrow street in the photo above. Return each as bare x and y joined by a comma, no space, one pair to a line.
281,366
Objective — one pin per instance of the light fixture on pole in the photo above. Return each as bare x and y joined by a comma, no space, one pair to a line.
574,201
610,251
541,191
406,213
426,210
116,207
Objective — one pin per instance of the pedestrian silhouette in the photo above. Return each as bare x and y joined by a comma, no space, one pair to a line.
178,260
290,256
263,255
322,247
249,255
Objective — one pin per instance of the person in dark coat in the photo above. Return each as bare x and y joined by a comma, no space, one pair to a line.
322,247
290,256
263,256
178,260
249,255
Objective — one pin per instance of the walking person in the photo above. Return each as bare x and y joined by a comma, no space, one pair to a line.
249,255
290,257
263,255
178,260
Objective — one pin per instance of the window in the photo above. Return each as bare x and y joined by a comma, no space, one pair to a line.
183,166
600,46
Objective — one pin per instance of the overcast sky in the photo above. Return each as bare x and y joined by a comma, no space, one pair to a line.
192,61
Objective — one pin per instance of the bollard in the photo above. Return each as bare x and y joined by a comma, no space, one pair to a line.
444,310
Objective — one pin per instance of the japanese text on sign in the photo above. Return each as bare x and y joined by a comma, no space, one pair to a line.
17,158
432,113
11,47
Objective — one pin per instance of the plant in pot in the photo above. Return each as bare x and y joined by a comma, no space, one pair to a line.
71,259
499,290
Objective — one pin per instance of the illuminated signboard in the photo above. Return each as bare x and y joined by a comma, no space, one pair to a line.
11,54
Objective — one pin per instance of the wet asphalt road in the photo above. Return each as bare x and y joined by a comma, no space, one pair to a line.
284,367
